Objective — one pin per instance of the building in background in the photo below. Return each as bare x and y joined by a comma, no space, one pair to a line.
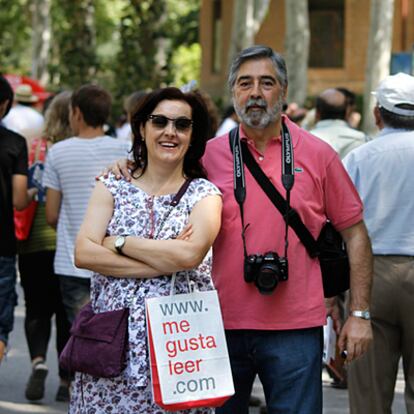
338,47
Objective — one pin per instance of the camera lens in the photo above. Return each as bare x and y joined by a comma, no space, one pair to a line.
267,278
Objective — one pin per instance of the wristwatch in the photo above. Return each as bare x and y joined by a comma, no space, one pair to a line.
363,314
119,243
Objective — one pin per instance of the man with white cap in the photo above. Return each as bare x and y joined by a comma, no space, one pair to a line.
382,173
23,118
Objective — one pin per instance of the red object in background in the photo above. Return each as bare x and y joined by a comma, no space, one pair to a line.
38,90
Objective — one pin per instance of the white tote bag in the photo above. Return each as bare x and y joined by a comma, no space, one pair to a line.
189,360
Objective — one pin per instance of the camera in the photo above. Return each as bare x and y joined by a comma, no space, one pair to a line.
265,271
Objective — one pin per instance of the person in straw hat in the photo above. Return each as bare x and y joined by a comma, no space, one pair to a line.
23,118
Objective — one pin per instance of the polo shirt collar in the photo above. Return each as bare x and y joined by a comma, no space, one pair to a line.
389,131
293,129
331,122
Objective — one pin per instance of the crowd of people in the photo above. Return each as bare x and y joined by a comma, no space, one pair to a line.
107,229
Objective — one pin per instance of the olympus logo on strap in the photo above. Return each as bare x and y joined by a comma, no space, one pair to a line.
288,154
237,163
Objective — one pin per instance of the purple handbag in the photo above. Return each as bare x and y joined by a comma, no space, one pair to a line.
97,345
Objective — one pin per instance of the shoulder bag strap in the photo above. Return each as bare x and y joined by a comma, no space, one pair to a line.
180,192
174,202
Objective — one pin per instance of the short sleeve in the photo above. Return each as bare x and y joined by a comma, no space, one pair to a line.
111,183
201,188
343,204
50,175
20,165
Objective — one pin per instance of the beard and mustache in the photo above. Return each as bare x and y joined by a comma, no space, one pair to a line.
261,115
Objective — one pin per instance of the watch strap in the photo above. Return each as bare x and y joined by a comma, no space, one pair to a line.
363,314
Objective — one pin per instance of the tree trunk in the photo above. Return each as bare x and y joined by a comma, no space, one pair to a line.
248,16
297,38
379,55
41,33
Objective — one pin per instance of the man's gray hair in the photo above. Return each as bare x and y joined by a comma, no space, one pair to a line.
393,120
255,53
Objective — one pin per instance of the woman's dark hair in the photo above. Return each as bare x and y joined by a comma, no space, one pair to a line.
199,136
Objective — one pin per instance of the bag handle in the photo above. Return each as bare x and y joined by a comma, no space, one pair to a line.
191,284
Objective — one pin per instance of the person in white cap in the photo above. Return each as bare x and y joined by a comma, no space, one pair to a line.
381,171
23,118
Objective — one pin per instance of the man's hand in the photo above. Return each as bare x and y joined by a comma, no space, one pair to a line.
355,337
357,333
121,168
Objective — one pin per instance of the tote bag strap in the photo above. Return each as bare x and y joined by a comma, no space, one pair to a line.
190,283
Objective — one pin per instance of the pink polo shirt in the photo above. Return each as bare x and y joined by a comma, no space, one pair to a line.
322,189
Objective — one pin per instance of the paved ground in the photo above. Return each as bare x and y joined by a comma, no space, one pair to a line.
16,369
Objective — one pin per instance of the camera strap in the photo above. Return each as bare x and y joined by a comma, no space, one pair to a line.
241,152
289,214
239,182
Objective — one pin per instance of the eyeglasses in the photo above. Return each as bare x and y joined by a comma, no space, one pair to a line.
181,124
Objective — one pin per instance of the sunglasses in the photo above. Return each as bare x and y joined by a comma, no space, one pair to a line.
181,124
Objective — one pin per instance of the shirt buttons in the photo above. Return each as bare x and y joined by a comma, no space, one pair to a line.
261,158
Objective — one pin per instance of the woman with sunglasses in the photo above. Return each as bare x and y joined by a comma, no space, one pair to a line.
134,238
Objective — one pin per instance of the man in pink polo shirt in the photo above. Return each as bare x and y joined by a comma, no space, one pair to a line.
278,336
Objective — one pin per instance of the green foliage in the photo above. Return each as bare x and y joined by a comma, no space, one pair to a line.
107,15
185,64
183,22
124,45
14,36
158,44
138,63
184,58
74,32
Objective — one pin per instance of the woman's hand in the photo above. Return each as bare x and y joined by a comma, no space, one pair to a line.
109,241
96,252
121,168
186,233
189,248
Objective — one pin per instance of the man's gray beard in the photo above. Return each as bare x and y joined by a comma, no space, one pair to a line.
259,119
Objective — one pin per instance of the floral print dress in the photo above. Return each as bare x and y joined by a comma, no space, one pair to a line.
139,214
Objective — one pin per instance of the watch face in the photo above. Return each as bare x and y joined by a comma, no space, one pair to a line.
119,242
362,314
